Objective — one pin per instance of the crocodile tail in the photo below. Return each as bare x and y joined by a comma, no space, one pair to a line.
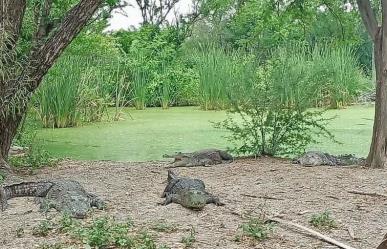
24,189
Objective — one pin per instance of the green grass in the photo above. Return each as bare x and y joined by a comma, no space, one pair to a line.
154,132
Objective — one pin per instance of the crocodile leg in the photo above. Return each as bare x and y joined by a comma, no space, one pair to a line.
95,201
215,200
171,198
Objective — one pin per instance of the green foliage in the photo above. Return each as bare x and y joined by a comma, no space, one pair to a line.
190,239
323,220
35,157
256,229
220,73
122,91
75,90
158,74
107,233
261,122
341,80
146,241
150,50
42,229
67,223
104,232
324,75
215,71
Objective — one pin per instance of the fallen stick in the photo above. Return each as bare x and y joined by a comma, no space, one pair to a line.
374,194
351,232
314,233
263,197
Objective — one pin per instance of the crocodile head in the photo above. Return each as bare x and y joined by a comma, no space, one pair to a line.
76,205
193,199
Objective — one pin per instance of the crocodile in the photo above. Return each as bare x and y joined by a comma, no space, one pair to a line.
204,157
383,244
316,158
188,192
63,195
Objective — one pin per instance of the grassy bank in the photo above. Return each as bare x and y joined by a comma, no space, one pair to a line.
154,132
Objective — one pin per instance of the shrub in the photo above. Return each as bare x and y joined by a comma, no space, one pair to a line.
261,123
67,223
43,228
256,229
35,157
323,221
190,239
107,233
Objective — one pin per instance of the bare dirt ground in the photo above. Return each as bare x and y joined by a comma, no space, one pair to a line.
133,190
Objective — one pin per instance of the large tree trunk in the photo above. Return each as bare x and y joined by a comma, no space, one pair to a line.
377,157
16,90
8,129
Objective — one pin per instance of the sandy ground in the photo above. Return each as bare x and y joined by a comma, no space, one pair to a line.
133,190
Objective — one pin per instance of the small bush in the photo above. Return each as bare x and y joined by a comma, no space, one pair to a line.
35,157
256,229
323,221
43,228
190,239
101,233
67,223
105,232
145,241
261,123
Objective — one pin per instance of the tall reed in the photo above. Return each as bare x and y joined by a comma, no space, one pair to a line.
57,98
76,89
324,75
215,67
141,77
166,91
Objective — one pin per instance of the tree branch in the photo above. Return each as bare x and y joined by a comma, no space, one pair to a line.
11,18
44,57
368,17
43,21
337,18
